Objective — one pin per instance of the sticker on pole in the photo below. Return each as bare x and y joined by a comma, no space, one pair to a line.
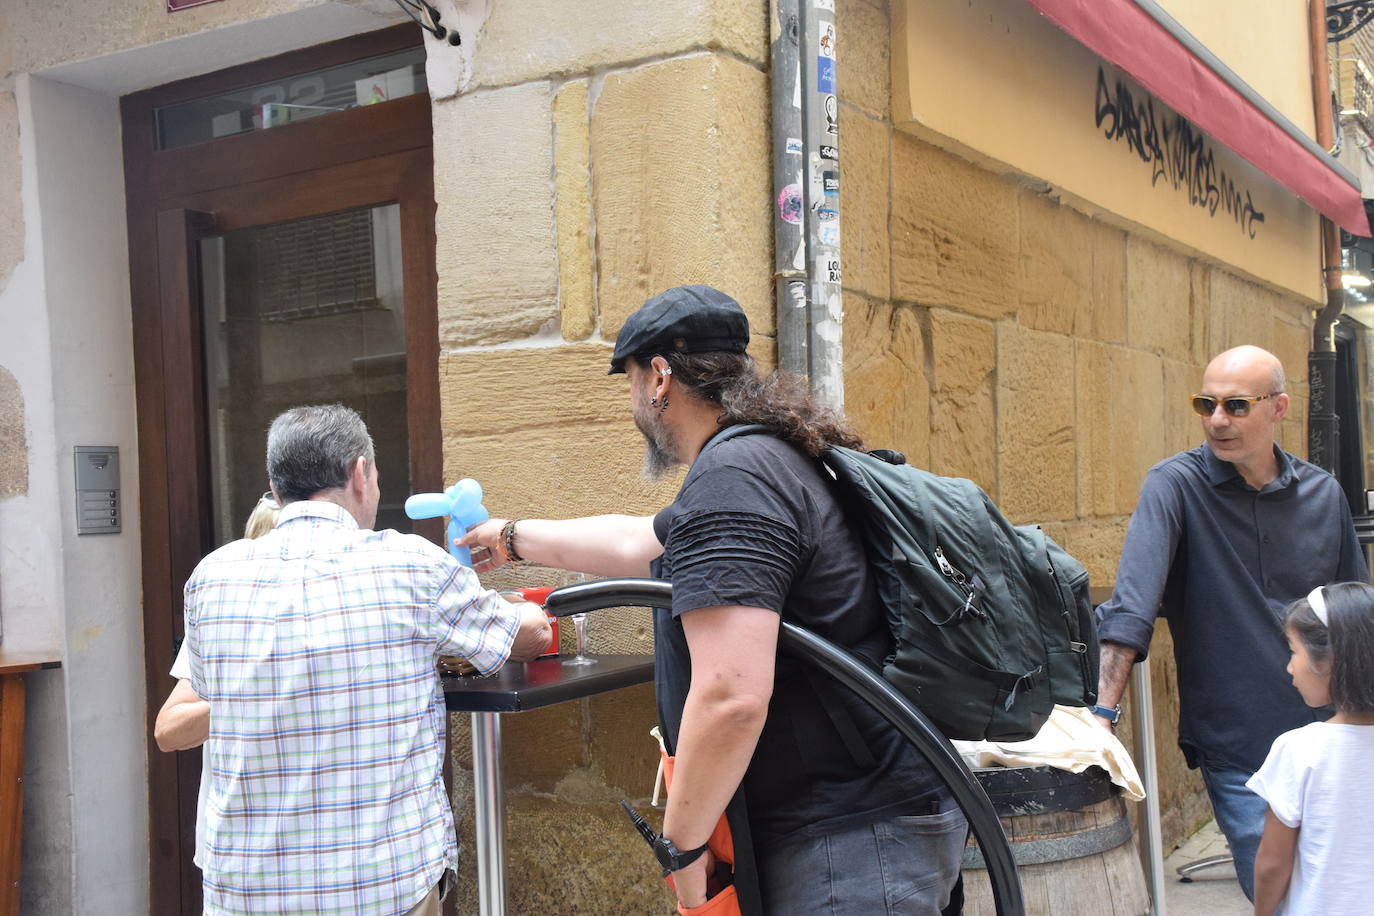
826,42
832,116
825,74
828,269
790,204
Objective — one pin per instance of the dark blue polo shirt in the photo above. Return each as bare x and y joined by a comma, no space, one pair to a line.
1222,561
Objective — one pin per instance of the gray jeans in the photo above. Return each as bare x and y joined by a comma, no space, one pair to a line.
904,865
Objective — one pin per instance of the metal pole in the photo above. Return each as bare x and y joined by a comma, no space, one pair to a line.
1151,834
1323,425
789,238
490,818
821,194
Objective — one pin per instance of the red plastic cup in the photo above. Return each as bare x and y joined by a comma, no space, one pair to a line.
539,596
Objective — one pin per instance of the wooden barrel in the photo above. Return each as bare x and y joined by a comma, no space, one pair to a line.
1071,841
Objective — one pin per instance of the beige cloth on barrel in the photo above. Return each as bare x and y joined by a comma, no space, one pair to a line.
1069,740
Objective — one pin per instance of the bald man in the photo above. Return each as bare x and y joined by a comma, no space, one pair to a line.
1223,538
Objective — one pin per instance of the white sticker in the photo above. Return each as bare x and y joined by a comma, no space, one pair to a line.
827,40
828,269
794,146
825,5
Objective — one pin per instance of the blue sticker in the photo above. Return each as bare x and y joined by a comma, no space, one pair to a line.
825,74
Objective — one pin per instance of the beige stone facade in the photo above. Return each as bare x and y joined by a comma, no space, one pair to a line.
1045,354
575,178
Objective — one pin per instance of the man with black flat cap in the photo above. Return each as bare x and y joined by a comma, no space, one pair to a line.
753,538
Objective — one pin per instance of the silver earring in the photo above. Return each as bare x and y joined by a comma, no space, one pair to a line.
664,406
653,402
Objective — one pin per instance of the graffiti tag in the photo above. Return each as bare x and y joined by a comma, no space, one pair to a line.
1176,152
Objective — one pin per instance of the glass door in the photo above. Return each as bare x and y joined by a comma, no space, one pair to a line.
303,312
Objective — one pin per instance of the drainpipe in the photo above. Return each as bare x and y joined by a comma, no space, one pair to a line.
789,227
1323,426
806,181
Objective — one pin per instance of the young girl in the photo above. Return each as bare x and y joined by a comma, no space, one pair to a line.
1318,846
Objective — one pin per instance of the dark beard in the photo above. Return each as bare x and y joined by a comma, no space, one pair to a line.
660,450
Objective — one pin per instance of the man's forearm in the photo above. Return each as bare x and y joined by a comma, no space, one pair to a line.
715,745
1114,670
603,545
184,720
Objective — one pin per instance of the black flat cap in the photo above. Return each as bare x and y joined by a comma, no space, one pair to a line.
684,319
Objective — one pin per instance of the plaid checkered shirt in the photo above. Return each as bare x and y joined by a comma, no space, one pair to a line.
316,647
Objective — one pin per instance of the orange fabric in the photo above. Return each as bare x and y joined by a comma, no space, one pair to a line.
722,846
721,843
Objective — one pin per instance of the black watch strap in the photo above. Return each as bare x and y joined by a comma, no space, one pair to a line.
673,859
665,850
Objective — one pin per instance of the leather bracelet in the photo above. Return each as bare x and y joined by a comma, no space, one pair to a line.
508,542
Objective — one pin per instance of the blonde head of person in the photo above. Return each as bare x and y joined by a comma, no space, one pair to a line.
263,518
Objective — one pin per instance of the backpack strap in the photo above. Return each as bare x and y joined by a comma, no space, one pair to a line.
854,742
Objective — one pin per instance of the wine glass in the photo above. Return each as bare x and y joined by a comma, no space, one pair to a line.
579,621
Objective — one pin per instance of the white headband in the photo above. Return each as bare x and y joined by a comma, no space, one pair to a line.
1318,603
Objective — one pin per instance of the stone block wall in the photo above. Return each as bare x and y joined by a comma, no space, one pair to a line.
992,332
596,155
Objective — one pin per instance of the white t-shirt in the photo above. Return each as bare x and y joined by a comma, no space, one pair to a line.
1316,778
181,668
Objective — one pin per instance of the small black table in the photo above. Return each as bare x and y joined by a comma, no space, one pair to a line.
517,687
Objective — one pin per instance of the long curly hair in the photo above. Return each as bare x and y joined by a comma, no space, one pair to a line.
780,401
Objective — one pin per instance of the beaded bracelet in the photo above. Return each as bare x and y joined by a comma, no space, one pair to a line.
508,542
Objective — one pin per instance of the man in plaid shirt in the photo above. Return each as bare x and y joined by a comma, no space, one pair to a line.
315,646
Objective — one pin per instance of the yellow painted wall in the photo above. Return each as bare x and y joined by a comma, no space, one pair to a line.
1263,41
994,80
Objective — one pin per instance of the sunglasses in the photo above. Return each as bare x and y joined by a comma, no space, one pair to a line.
1236,407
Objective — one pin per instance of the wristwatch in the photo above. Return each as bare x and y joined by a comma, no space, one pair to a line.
671,858
1110,713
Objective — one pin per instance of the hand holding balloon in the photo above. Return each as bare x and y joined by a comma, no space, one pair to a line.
462,503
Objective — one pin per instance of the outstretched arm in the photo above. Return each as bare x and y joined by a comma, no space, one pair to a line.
603,545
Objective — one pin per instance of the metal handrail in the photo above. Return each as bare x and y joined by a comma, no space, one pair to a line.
870,686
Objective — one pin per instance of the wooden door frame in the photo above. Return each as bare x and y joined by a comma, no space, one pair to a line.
361,157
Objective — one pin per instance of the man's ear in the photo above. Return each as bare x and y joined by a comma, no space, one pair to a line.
1280,406
357,477
662,378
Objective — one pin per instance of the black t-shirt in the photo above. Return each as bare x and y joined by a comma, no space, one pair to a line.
755,525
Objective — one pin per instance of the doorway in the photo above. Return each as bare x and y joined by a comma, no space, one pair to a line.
281,237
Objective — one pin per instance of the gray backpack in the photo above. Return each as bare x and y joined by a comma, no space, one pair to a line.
992,621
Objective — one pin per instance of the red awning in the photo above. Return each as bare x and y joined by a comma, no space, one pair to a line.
1122,32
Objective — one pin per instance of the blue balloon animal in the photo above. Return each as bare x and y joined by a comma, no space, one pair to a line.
462,503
